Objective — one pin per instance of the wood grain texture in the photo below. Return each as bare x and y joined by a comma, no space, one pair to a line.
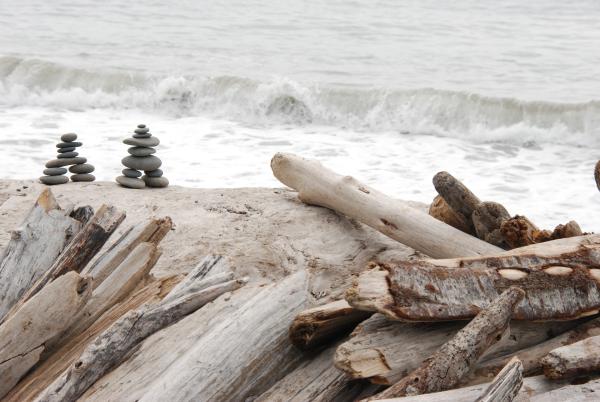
505,387
571,360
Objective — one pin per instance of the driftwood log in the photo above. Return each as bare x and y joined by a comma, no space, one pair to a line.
444,369
571,360
320,325
488,218
33,248
43,317
506,385
317,185
441,211
587,392
456,195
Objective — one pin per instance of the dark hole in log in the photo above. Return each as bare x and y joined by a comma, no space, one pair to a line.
389,224
78,364
580,380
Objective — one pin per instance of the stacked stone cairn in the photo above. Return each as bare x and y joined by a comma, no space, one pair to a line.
56,169
141,159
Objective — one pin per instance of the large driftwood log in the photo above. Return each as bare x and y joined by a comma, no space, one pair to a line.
320,325
114,344
46,315
587,392
317,185
506,385
558,286
444,369
33,248
571,360
384,351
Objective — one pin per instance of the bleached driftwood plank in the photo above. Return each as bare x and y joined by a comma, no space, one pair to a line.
319,325
116,342
317,185
446,367
33,248
578,358
506,385
43,317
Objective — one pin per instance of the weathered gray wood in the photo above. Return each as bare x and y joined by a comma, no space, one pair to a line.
33,248
48,314
587,392
445,368
506,385
456,194
197,278
487,220
578,358
558,286
319,325
441,211
317,185
384,351
114,344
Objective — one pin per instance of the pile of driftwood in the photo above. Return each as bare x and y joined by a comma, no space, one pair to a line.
486,267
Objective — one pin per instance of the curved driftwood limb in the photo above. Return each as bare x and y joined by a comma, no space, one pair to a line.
441,211
456,194
487,219
506,385
115,343
33,248
444,369
571,360
46,315
317,185
320,325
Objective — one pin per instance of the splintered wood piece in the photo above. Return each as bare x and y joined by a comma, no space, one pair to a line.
441,211
578,358
115,343
320,325
82,214
559,286
487,219
506,385
197,278
33,248
317,185
456,194
44,316
445,368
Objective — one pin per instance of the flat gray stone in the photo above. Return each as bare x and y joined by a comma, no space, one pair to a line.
131,173
141,126
141,162
142,135
65,162
142,130
68,144
69,137
130,182
55,171
141,151
154,173
142,142
51,180
156,181
68,155
65,150
82,168
83,177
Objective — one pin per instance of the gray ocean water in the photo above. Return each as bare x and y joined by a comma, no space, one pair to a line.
505,95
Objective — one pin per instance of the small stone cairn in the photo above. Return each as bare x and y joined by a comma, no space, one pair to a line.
141,159
56,169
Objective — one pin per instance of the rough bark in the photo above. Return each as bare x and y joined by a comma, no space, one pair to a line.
115,343
33,248
456,195
48,314
384,351
559,286
571,360
323,324
487,219
444,369
506,385
317,185
587,392
520,231
441,211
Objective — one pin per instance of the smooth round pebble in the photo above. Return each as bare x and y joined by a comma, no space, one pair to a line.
51,180
68,155
55,171
141,151
65,150
141,130
141,162
82,168
130,182
154,173
65,162
69,137
68,144
131,173
155,181
83,177
142,142
141,125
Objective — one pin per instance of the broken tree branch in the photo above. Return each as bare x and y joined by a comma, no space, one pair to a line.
578,358
506,385
441,211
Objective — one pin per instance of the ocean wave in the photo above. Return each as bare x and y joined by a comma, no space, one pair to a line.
32,82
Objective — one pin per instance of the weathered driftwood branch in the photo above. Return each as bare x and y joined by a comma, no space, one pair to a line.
320,325
441,211
578,358
456,195
558,286
317,185
114,344
488,218
33,248
506,385
454,359
46,315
